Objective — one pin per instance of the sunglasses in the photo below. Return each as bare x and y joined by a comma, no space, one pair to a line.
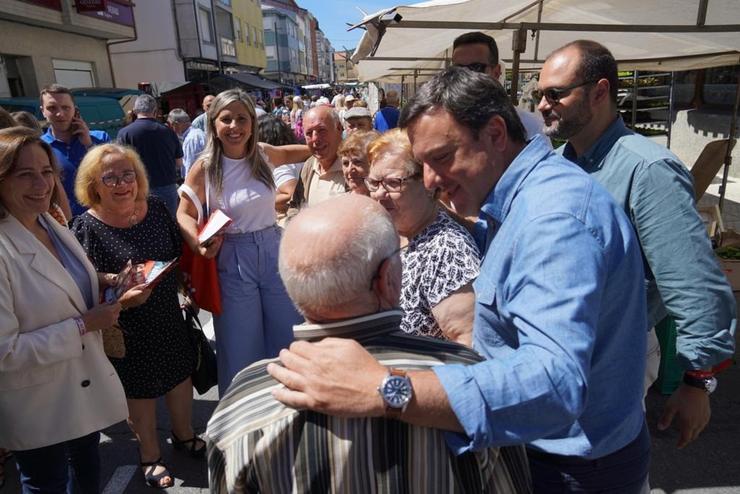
475,66
112,180
553,95
390,184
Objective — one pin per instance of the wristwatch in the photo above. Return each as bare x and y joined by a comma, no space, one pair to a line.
708,384
396,391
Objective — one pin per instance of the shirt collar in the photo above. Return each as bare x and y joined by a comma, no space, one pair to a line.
53,139
334,168
498,202
594,157
356,328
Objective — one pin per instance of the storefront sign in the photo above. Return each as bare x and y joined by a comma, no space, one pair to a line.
120,12
91,5
49,4
190,65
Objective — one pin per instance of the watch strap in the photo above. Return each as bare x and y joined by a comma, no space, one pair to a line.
391,412
703,383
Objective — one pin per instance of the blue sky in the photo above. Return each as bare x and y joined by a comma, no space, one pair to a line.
333,16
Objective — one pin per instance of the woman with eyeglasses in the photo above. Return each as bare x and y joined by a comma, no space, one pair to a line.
439,257
122,224
57,388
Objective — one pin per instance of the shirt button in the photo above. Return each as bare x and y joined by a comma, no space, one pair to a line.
85,383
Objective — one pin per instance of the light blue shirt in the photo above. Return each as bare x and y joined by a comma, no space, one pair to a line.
192,145
559,316
199,122
683,277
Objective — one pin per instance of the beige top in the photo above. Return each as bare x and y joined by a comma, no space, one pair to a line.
325,184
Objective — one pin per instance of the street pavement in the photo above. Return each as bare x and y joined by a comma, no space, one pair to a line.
710,465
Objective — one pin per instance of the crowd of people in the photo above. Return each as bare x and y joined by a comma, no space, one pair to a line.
428,299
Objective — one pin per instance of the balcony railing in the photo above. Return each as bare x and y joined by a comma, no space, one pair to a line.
228,47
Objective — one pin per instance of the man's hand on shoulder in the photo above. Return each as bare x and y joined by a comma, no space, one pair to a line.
336,376
691,409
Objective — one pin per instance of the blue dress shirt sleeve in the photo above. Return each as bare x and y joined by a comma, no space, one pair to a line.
552,295
691,284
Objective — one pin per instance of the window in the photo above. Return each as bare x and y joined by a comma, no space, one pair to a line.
254,37
204,22
237,29
71,73
247,37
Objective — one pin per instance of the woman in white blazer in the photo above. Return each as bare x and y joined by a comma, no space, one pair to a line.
57,387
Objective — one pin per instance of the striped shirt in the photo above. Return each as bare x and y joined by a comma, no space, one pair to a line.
256,444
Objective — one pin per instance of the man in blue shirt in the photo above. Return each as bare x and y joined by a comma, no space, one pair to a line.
560,307
68,136
578,99
387,117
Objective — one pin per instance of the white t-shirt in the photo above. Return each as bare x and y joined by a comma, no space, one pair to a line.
247,201
286,173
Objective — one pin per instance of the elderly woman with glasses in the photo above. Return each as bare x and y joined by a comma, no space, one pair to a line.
440,259
123,224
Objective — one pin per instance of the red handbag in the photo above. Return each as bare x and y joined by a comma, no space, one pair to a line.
200,273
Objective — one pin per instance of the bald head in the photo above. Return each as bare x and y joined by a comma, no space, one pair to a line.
330,254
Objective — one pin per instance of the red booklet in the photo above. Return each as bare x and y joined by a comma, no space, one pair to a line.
154,271
215,225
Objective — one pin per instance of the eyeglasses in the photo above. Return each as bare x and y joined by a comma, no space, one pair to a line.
112,180
553,95
390,184
475,66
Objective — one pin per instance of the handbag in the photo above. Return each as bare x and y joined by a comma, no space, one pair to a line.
205,373
114,345
200,273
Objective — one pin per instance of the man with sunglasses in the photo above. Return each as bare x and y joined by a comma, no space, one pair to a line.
578,99
479,52
560,306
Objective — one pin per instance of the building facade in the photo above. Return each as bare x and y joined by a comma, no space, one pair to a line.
297,51
55,41
186,40
344,68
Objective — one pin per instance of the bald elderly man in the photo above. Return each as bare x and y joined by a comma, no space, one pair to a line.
321,176
340,265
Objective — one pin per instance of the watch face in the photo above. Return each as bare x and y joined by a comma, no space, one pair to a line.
396,391
711,384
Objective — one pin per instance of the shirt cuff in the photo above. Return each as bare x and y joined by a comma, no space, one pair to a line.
468,405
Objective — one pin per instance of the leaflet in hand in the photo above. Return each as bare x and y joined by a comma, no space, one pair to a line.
153,271
112,293
215,225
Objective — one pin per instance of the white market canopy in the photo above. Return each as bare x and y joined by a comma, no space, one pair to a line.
416,40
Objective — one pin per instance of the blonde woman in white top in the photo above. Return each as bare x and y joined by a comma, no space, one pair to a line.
234,174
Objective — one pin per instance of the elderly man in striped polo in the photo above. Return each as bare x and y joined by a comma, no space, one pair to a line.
340,265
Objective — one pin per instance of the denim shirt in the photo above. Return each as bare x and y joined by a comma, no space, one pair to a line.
683,277
560,317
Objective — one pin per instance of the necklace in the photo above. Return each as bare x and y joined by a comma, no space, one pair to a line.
134,218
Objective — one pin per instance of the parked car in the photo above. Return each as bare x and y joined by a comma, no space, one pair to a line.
100,113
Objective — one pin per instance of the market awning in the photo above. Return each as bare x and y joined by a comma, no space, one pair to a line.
670,35
252,80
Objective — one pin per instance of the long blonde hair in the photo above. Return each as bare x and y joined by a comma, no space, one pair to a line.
211,156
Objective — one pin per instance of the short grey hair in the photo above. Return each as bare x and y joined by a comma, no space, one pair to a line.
319,281
178,115
145,103
332,114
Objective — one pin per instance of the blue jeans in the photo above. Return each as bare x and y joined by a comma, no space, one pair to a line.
623,472
70,467
168,194
258,317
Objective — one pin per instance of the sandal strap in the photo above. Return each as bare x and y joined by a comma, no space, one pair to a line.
156,463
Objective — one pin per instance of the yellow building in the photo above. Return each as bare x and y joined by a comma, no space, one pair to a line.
248,33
